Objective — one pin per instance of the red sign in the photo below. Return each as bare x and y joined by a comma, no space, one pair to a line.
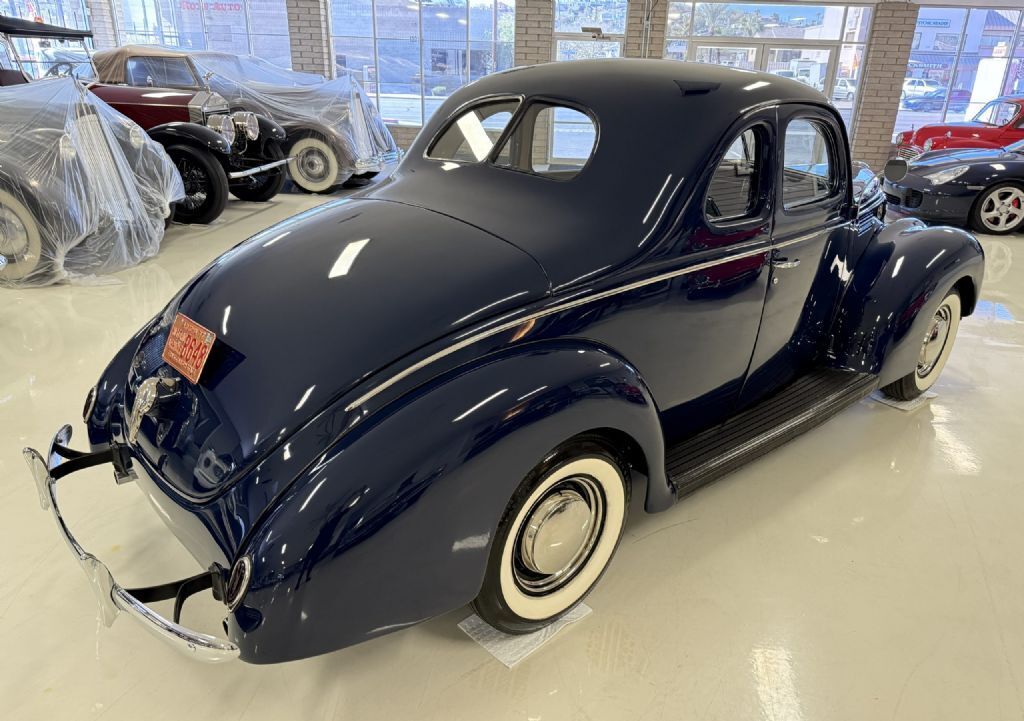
188,346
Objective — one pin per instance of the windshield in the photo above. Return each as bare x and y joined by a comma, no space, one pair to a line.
997,112
53,58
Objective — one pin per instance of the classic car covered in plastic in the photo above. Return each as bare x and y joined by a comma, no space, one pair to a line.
83,190
469,434
216,151
999,123
334,130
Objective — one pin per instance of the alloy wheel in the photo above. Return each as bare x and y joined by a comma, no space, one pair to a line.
1002,209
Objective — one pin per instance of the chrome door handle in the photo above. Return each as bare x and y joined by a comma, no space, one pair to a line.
785,263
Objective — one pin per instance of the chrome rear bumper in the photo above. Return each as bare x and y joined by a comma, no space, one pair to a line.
113,598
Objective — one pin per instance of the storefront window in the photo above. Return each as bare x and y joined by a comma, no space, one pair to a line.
66,13
962,58
243,27
421,53
571,16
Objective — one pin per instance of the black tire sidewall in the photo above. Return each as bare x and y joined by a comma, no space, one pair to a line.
216,199
489,603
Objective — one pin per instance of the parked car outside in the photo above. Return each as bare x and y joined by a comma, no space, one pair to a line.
216,151
844,89
334,130
996,125
472,438
935,101
979,187
914,87
83,190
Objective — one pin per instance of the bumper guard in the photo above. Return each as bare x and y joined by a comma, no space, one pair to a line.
113,598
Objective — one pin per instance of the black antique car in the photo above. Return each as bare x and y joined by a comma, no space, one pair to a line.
504,335
218,152
334,130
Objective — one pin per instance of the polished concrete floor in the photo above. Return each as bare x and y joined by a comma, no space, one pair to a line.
868,570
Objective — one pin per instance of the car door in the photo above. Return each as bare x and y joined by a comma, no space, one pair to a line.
810,241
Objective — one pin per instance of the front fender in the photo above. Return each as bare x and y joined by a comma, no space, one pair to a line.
903,274
270,129
190,134
393,524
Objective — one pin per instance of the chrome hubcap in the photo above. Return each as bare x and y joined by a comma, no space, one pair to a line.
559,533
934,341
1003,208
313,164
13,235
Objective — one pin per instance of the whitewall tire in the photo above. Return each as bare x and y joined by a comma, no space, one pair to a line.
936,346
556,538
20,239
314,166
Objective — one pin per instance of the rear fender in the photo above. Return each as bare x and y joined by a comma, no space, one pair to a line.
903,274
193,134
394,523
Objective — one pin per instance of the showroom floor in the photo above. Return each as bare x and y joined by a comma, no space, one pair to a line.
870,569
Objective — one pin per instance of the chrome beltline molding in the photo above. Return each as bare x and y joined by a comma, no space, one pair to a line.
501,327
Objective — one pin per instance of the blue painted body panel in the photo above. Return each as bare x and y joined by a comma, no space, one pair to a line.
365,517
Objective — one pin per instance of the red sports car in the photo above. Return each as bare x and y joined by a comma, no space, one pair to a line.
996,125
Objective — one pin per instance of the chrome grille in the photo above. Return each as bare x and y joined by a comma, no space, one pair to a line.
908,152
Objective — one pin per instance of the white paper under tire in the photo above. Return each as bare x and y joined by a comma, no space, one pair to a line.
83,190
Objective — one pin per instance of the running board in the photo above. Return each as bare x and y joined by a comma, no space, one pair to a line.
805,403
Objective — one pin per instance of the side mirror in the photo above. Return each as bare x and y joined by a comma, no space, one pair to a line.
896,169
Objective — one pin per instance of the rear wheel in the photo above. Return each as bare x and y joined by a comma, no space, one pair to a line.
206,185
20,240
935,349
999,210
314,167
556,538
265,186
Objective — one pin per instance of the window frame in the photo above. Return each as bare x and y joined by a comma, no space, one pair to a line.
836,162
761,210
469,107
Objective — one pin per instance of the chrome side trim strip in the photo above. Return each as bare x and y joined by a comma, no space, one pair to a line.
568,305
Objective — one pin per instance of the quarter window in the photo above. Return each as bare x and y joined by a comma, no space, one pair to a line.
732,193
471,137
160,72
808,172
550,140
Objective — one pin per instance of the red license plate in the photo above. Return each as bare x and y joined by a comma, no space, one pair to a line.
188,346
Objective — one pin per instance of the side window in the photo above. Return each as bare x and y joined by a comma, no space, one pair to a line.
733,190
808,172
471,136
160,72
552,141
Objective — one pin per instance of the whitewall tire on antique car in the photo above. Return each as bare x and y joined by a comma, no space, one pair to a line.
556,538
314,166
935,349
20,239
999,210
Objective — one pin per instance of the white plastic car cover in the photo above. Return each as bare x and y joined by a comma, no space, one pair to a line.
339,109
83,190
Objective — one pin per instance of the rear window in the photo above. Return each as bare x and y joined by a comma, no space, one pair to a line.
471,136
553,141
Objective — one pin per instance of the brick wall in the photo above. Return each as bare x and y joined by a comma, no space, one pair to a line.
309,29
103,24
535,28
404,135
892,34
639,11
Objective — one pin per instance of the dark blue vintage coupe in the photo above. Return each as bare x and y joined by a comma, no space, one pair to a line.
437,392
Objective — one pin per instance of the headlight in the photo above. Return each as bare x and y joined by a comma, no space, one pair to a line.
945,176
223,125
247,123
928,144
136,136
897,138
67,147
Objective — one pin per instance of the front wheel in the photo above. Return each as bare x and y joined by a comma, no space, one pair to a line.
206,185
314,167
935,350
999,210
556,538
261,188
20,240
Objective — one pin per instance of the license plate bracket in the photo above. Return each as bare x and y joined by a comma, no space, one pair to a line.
188,347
